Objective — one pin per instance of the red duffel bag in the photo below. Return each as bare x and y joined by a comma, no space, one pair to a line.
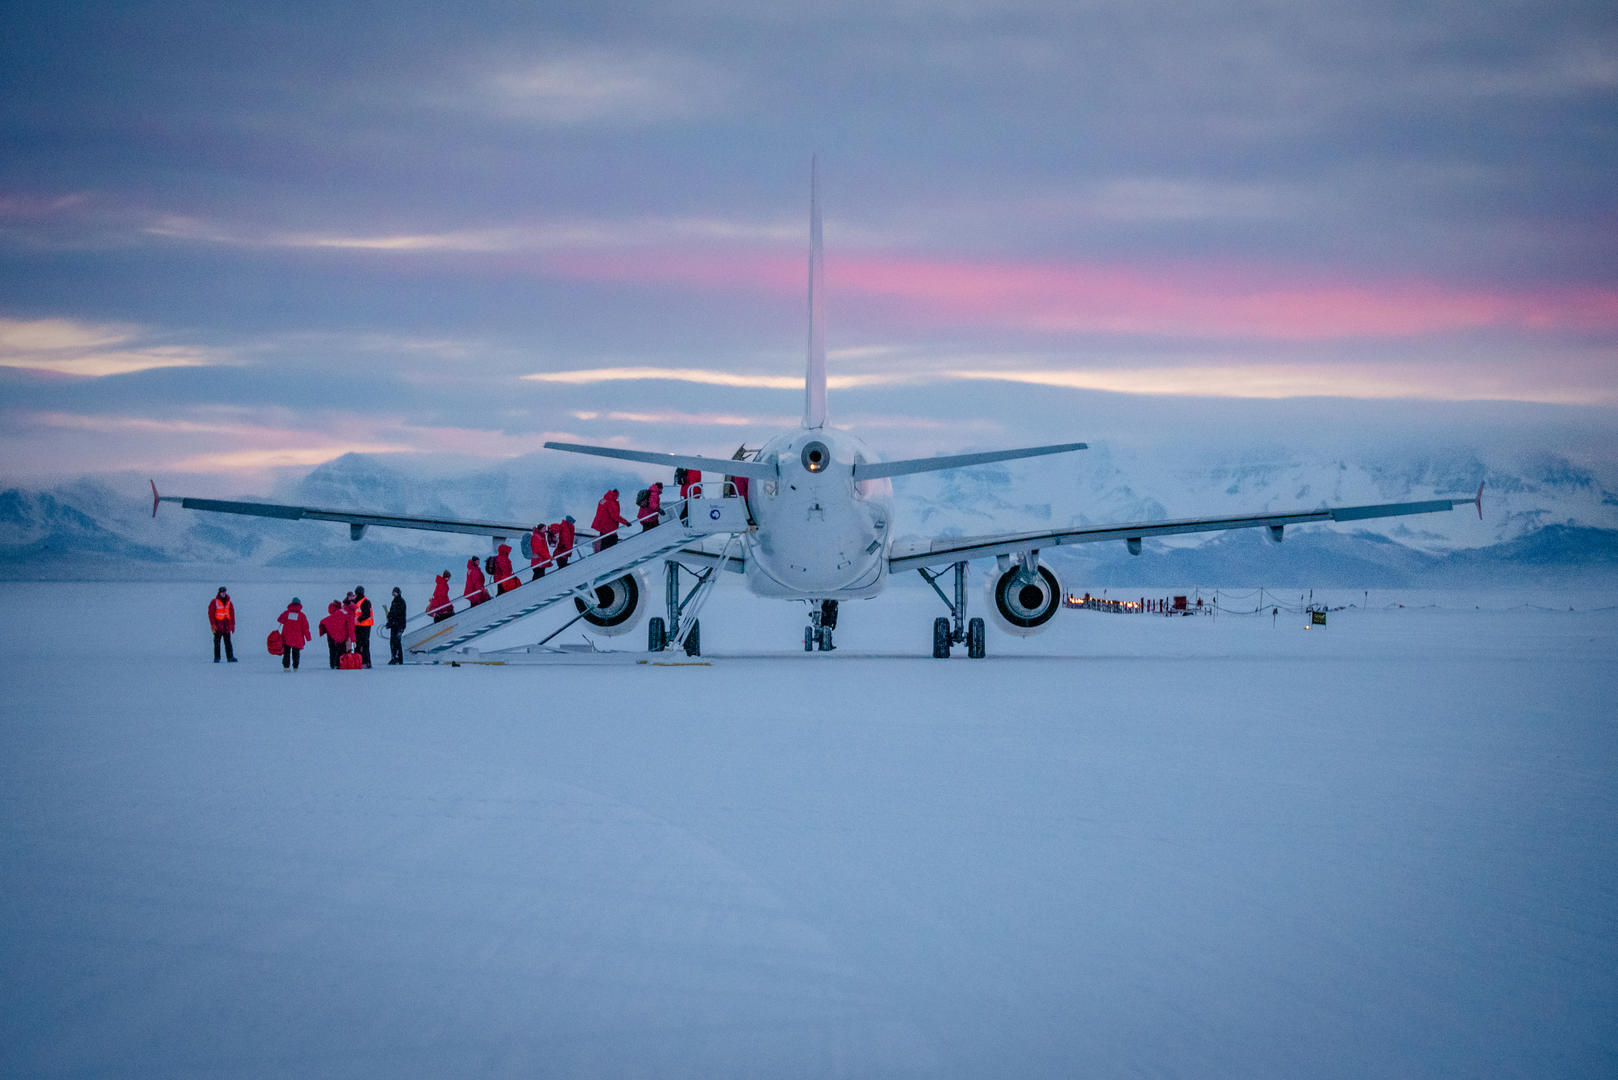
350,661
273,643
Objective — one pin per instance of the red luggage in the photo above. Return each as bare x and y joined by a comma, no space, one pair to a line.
350,661
273,643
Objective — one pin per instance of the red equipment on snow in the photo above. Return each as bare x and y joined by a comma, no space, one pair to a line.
350,661
273,643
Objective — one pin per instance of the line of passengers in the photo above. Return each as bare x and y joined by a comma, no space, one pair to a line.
551,546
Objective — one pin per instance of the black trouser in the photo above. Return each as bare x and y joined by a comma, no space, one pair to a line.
396,646
336,649
289,657
217,635
362,643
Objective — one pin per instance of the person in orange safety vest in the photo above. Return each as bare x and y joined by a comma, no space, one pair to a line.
364,619
222,621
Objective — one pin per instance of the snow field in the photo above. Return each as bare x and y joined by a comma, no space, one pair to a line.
1130,846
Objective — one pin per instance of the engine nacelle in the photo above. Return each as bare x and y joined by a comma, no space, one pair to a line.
620,605
1023,606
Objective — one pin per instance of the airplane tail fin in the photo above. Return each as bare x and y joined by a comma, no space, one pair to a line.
814,379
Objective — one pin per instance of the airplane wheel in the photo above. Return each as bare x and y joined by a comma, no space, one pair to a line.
975,645
941,638
825,639
657,638
808,639
693,640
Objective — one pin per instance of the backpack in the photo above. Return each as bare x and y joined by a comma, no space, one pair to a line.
679,475
488,566
273,643
643,497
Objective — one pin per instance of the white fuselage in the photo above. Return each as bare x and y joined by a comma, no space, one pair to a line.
820,534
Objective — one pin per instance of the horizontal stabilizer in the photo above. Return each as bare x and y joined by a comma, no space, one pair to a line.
876,470
755,470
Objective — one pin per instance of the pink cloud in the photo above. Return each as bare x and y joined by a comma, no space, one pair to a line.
1176,301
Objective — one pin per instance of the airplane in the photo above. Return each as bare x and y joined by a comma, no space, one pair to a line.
817,525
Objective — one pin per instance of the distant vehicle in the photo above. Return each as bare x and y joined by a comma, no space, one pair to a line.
818,523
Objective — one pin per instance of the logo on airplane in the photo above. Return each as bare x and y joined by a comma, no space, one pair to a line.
713,515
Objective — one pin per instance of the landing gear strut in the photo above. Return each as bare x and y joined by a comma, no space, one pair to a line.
822,621
683,630
958,629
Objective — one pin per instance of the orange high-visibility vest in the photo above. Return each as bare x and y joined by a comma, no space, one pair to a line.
368,620
221,611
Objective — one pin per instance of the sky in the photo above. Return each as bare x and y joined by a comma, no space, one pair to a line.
235,244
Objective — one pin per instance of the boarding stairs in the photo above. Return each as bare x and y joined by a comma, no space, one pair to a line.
426,637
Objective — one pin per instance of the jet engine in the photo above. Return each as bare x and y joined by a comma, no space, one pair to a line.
1023,605
619,606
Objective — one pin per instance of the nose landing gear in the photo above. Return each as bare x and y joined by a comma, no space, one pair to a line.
822,621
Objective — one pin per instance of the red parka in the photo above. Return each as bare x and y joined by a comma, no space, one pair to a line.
693,477
294,627
654,503
608,517
562,534
475,592
336,624
440,592
222,614
503,569
537,551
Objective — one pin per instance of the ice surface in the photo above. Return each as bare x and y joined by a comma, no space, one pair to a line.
1132,846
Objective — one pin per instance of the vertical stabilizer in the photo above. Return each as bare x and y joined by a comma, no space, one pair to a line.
814,379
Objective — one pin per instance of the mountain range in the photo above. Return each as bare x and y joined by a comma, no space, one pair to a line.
1544,519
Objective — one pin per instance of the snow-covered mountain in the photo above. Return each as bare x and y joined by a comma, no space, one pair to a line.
1544,517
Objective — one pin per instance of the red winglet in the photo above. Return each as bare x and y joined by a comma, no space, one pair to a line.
1477,502
154,496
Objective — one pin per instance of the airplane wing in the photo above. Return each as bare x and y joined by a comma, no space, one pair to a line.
357,520
961,548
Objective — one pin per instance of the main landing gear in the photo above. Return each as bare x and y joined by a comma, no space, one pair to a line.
822,621
957,629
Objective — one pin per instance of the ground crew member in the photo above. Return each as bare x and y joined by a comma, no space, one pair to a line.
562,534
504,575
439,606
364,619
538,553
294,634
396,625
607,521
222,620
475,592
336,629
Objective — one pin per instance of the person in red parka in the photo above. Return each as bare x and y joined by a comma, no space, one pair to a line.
607,520
439,606
337,631
652,512
475,592
562,534
294,634
538,553
222,621
504,575
693,477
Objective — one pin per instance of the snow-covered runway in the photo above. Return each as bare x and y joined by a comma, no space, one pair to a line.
1132,846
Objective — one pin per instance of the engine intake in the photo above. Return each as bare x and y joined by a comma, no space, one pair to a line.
619,605
1022,605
